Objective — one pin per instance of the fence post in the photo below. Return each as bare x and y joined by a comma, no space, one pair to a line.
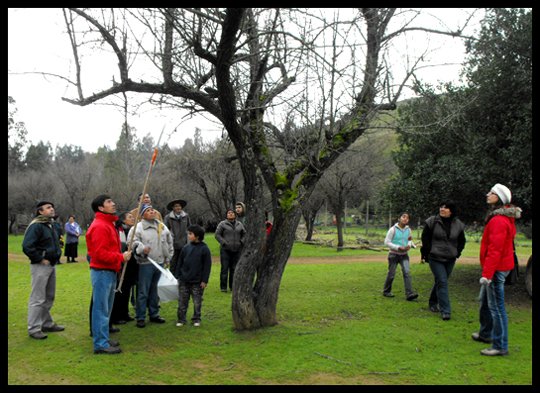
367,216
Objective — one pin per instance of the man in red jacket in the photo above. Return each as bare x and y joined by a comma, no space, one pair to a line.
104,250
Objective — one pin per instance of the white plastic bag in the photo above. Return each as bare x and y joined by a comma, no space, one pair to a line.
167,285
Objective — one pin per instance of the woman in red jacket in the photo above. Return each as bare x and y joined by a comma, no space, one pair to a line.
497,260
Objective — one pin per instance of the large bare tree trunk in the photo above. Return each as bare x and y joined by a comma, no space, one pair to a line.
254,306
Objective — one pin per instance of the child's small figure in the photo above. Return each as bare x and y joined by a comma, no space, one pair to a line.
193,272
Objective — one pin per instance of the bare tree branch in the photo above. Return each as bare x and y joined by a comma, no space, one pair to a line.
122,63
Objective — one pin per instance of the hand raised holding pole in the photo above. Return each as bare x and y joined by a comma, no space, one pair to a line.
138,213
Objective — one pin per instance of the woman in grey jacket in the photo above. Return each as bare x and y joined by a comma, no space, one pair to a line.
152,240
230,234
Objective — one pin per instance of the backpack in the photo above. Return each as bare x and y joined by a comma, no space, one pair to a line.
512,278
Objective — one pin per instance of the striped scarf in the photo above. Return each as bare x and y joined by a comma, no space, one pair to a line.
41,219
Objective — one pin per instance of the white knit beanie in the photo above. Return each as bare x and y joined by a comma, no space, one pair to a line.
502,192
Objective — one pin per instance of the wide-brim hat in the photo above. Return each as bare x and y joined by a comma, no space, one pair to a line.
172,203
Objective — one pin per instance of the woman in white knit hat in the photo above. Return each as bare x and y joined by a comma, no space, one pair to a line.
497,260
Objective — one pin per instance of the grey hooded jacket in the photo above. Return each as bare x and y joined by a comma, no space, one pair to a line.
230,235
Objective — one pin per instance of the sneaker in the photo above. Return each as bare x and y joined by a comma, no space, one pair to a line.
388,295
446,316
434,308
411,297
53,328
141,323
108,351
493,352
157,319
179,324
479,338
39,335
197,324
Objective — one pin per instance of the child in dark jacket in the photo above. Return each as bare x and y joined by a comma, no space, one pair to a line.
193,271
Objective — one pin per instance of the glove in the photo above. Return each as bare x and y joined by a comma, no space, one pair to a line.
485,281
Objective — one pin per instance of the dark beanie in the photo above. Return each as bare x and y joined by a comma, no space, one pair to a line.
42,203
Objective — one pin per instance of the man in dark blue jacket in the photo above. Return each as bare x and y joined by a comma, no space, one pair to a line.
193,271
41,244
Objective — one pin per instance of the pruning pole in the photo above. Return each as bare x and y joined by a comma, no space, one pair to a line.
139,209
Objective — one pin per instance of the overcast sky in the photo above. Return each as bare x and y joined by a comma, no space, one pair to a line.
36,42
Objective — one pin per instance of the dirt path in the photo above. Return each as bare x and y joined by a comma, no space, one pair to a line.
383,257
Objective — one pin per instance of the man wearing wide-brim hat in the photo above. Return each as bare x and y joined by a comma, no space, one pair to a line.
178,222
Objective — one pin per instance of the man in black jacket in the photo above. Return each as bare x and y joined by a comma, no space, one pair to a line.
41,245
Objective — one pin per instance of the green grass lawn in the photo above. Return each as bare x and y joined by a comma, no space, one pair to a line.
335,327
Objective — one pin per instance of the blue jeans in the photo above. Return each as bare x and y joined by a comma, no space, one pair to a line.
103,283
439,293
148,296
493,321
403,261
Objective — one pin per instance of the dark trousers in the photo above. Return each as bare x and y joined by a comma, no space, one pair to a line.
174,261
229,259
120,311
71,251
185,291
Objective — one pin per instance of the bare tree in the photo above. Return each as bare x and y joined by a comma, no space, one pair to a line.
244,68
213,171
354,177
310,209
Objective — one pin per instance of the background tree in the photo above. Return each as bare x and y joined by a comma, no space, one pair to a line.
243,67
355,176
310,210
73,177
459,142
214,173
16,138
38,157
500,71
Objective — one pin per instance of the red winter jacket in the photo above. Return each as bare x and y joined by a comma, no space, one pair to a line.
103,243
496,249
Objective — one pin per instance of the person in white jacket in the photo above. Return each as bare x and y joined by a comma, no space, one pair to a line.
152,240
399,241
